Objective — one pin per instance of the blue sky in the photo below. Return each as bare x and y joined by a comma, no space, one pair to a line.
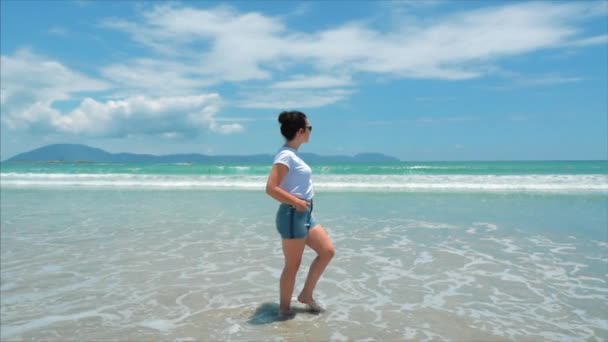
419,80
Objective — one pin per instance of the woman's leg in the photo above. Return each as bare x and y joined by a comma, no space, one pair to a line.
321,243
292,250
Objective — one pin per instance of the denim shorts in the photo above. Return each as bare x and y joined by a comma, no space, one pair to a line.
293,224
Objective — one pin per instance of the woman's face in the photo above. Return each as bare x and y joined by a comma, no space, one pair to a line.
307,131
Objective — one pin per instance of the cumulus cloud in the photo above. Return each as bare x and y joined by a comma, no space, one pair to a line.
32,86
163,116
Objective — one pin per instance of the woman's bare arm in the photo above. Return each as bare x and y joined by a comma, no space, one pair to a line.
277,174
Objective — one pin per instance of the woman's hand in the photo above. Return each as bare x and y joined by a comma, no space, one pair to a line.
277,174
301,205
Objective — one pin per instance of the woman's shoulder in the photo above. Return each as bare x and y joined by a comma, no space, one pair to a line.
286,151
285,155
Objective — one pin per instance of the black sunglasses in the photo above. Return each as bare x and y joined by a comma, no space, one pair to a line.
309,128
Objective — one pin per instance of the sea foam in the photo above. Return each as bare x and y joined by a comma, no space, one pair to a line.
365,183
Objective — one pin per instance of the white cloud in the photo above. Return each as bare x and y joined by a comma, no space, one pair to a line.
200,47
236,43
58,31
517,80
156,77
596,40
548,80
226,129
308,82
253,46
33,85
444,120
300,9
29,78
164,116
283,99
424,120
415,3
83,3
434,98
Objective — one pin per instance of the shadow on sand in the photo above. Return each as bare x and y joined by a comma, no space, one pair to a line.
268,313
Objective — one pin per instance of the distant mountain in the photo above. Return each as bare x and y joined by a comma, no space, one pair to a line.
83,153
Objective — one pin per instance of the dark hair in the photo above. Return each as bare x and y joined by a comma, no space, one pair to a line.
291,123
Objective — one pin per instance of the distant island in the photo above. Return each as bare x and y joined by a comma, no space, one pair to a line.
76,153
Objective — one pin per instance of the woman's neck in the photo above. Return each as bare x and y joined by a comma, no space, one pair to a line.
293,144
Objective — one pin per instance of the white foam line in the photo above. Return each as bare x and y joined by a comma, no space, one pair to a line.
401,183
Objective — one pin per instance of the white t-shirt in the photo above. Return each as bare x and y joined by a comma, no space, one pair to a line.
298,180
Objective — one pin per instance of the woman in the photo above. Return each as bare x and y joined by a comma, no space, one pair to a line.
290,183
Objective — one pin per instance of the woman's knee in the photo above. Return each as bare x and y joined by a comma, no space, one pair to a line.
328,252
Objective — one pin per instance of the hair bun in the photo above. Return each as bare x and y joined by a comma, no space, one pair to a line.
291,122
284,117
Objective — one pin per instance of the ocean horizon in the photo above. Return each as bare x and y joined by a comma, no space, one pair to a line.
424,251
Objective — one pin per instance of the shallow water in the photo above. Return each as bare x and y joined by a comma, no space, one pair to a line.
134,264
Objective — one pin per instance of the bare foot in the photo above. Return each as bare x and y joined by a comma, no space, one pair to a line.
312,305
285,316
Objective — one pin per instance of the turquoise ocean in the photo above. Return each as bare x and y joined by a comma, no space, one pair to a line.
189,252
